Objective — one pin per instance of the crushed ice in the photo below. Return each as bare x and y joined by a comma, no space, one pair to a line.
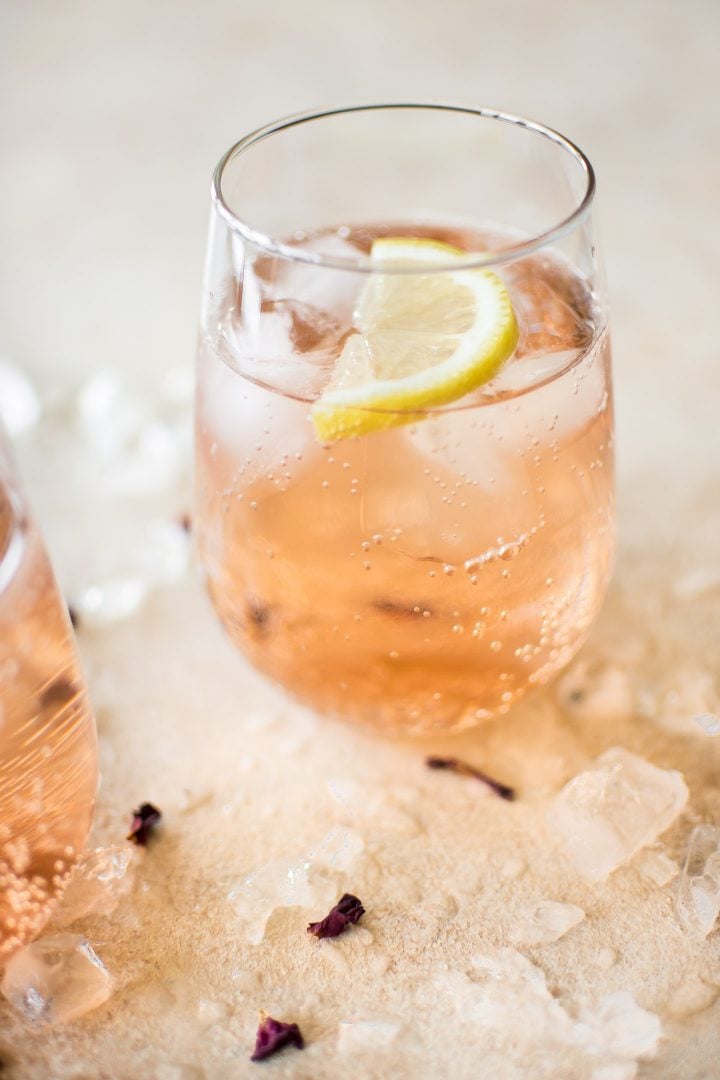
100,881
697,896
619,805
19,402
708,722
305,882
161,557
546,922
656,866
692,996
137,445
56,979
507,994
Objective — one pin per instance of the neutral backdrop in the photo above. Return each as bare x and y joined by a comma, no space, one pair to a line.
113,114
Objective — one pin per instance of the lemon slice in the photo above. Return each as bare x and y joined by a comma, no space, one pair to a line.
423,339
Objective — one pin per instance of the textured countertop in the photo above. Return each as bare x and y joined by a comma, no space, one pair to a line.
112,117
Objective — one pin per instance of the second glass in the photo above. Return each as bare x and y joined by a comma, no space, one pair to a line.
48,751
424,573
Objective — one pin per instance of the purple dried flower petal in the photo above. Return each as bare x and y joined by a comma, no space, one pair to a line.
145,818
463,769
346,913
273,1035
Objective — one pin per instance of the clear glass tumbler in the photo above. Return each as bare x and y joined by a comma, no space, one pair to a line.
48,755
418,568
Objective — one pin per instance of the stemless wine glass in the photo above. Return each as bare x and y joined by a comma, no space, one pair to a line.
426,571
48,755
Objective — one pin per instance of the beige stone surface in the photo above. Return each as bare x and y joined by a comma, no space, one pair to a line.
112,116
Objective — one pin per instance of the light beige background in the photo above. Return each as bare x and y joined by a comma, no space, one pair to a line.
112,116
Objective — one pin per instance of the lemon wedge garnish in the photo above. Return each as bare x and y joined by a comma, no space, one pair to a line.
423,339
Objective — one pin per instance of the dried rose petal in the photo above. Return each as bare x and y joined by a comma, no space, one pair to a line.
463,769
145,818
346,912
273,1035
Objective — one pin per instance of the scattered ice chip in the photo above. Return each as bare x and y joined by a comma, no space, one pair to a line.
619,1028
100,881
708,722
108,414
606,958
164,555
151,463
134,450
366,1034
656,866
693,995
545,922
108,601
620,804
56,979
277,884
19,402
697,899
688,691
508,995
338,849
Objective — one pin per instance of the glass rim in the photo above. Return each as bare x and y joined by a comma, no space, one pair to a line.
363,263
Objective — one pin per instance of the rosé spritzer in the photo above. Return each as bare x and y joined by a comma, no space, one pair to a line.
48,755
416,568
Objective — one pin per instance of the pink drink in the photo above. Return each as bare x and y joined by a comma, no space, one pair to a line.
428,575
48,768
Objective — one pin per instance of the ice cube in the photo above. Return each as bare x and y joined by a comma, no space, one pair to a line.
135,451
697,899
688,691
277,884
110,600
338,849
656,866
19,402
708,722
545,922
552,307
619,805
691,996
485,444
606,958
251,421
108,414
331,290
100,881
619,1028
56,979
164,555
